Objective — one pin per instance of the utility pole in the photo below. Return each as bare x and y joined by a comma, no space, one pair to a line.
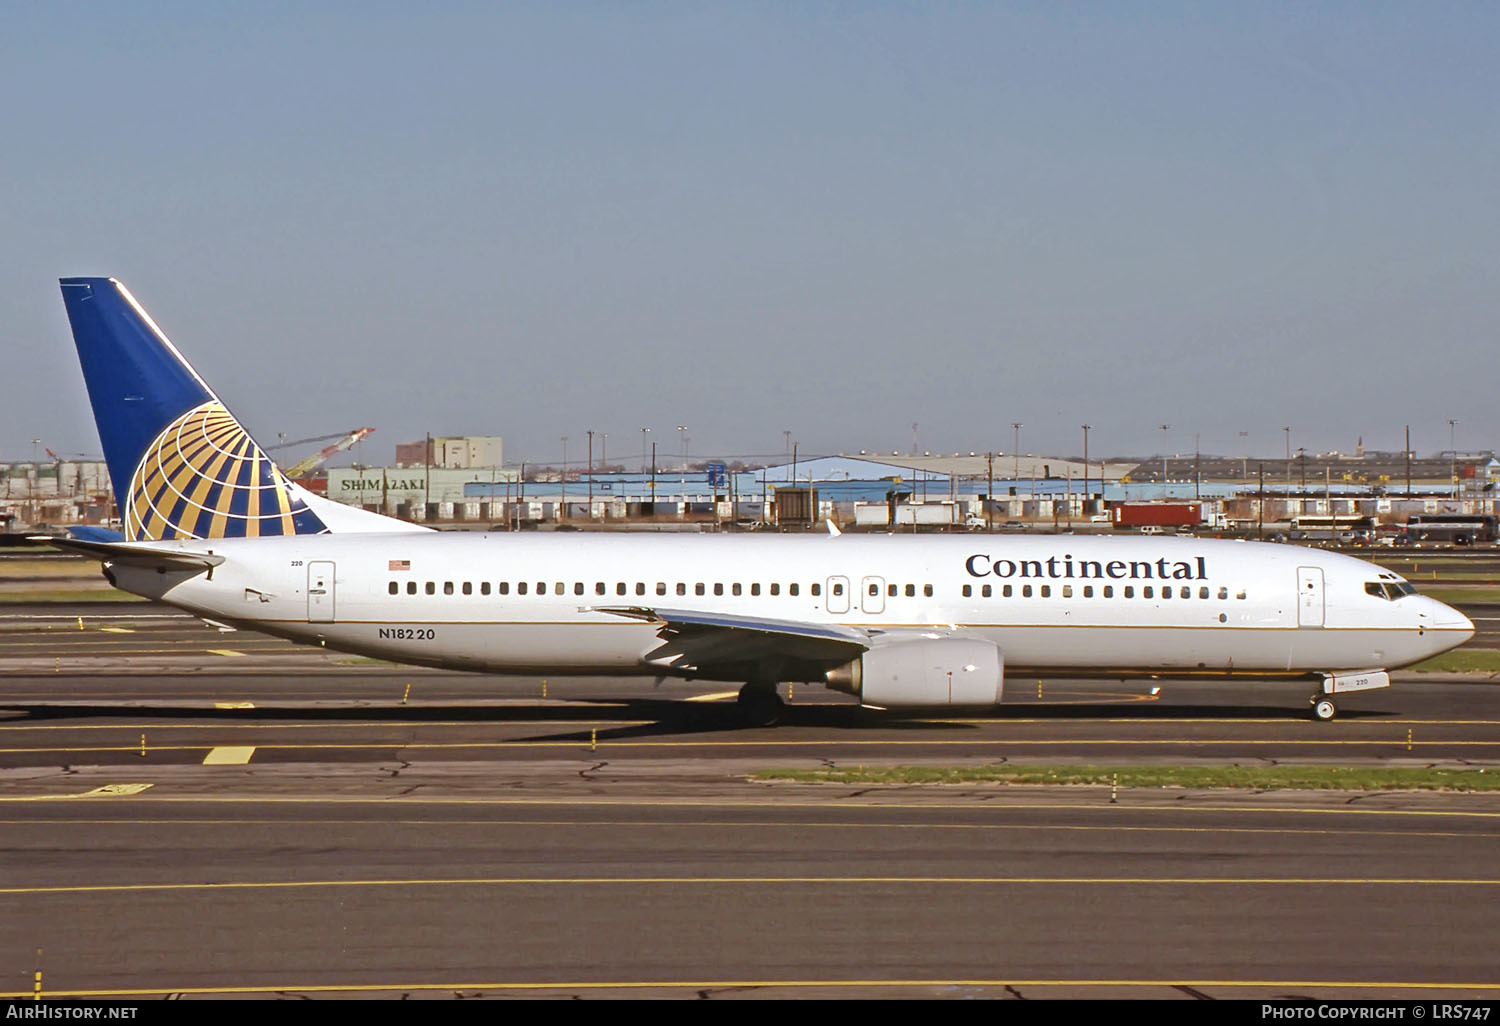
1086,461
591,474
989,495
562,479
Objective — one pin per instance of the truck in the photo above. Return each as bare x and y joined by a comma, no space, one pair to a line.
1162,515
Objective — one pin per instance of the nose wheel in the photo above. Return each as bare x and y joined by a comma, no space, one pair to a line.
1323,708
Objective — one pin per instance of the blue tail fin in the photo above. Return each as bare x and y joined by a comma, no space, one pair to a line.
181,465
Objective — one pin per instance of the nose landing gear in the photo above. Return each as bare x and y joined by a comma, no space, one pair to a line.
1323,708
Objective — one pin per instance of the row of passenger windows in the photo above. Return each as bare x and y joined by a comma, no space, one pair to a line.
640,588
794,590
1106,591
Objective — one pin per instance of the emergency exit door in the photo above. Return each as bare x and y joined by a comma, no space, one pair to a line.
1309,596
319,592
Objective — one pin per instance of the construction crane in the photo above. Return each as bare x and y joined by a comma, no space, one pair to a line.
318,459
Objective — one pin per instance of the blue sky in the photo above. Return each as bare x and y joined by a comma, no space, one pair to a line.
833,219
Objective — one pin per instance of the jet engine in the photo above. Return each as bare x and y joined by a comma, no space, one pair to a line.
924,671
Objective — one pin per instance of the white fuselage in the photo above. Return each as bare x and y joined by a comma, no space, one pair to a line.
1087,605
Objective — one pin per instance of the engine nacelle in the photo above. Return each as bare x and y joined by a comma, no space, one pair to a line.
924,671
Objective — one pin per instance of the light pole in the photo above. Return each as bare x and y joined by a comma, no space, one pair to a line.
682,434
1017,425
1086,461
562,479
1286,430
1244,460
644,432
1164,428
1452,458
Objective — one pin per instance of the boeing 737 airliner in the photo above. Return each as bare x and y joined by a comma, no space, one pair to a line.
213,527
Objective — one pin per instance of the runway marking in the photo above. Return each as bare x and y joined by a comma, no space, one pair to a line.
597,985
988,805
106,791
440,746
766,881
715,696
116,630
229,755
722,824
230,705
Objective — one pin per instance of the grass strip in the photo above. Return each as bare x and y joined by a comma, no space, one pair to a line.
1259,778
1461,660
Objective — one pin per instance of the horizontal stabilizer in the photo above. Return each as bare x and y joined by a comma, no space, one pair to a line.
146,556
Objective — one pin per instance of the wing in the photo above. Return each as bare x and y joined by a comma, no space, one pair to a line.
744,647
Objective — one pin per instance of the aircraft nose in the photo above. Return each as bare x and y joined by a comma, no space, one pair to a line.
1446,618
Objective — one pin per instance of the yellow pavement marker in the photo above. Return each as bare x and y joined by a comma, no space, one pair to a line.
234,705
225,652
229,755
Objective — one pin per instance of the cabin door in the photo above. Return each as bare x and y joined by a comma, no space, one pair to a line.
872,595
837,600
319,592
1309,596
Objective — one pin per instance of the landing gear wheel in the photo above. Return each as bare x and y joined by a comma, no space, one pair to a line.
760,705
1323,708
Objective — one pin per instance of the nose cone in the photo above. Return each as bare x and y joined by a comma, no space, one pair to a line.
1455,627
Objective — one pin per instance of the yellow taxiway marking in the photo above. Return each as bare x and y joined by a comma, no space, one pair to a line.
229,755
116,630
224,652
770,881
107,791
714,696
337,725
233,705
598,985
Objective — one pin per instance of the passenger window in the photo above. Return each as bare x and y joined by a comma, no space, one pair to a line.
521,588
815,590
718,589
1026,591
447,587
838,589
911,591
927,590
1203,592
1046,591
1241,594
1166,591
1088,591
891,590
1223,593
986,591
698,588
776,589
1067,591
505,587
620,588
875,590
754,589
411,587
681,589
640,587
661,588
561,589
431,588
1129,591
468,588
1109,591
484,587
967,591
600,588
791,589
394,588
541,587
1007,591
1186,592
1146,591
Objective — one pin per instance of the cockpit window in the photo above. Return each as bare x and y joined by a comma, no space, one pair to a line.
1389,590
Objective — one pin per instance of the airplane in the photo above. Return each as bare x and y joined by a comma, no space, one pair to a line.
212,526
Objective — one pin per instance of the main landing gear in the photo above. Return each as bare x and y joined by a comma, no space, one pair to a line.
760,705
